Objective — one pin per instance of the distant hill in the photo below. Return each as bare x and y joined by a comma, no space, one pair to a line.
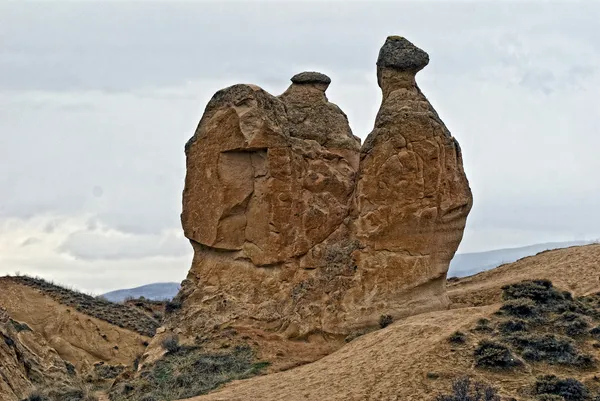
466,264
155,291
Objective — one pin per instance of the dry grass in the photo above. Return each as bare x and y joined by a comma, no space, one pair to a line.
186,372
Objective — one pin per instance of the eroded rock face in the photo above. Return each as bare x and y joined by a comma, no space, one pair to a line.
298,230
27,362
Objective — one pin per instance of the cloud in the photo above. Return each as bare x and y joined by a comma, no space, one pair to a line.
98,100
90,257
109,244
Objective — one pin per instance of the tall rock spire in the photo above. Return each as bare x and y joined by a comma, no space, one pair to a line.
298,230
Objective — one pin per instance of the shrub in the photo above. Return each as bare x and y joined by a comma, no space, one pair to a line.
522,308
539,291
172,306
464,390
549,348
171,343
510,326
573,324
490,354
106,371
385,321
483,325
36,396
569,389
458,337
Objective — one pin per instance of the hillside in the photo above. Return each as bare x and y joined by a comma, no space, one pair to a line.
413,359
467,264
575,269
155,292
58,315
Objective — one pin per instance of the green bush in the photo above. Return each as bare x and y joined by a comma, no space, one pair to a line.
489,354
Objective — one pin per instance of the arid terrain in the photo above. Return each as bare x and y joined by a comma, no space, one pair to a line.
413,359
416,358
319,273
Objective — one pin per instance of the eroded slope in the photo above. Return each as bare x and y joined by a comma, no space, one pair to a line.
78,338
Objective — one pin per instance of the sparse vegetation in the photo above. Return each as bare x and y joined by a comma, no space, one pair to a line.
465,390
549,348
385,321
62,393
543,325
173,305
117,314
104,371
188,372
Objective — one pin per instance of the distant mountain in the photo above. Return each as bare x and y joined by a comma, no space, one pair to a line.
466,264
156,291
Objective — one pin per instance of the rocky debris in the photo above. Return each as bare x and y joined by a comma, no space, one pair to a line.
299,230
27,361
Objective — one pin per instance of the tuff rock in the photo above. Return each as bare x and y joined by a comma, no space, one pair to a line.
298,230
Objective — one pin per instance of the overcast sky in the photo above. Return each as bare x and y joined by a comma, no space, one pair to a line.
98,99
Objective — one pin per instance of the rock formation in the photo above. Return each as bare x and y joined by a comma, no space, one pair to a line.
299,230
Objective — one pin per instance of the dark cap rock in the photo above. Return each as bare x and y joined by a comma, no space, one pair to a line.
400,54
311,77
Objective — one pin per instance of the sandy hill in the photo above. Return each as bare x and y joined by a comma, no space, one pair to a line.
83,330
413,359
468,264
575,269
